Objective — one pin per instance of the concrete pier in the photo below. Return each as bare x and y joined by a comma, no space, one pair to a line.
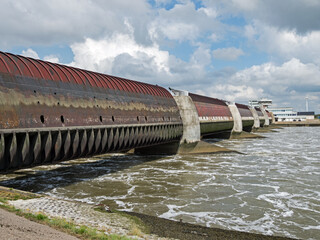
266,117
237,121
189,116
256,124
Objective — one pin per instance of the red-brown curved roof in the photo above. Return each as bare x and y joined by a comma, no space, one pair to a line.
239,105
205,99
259,111
29,67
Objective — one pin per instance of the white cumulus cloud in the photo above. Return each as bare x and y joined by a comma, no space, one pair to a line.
285,44
30,53
120,54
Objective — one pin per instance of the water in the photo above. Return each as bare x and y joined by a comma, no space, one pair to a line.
273,188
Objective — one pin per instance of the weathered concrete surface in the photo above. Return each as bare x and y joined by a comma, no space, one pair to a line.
256,123
182,148
266,117
245,135
215,128
237,121
190,119
201,147
265,129
308,123
77,212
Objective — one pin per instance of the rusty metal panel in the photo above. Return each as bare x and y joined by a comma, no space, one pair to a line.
212,108
260,114
244,110
43,69
58,71
3,65
205,99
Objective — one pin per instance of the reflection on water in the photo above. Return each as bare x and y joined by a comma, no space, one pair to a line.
272,189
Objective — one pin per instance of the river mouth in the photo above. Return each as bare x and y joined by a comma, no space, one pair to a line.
272,189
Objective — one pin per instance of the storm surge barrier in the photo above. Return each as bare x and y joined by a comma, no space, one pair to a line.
51,112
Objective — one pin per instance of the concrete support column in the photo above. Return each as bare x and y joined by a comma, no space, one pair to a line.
237,121
190,118
273,119
255,117
266,117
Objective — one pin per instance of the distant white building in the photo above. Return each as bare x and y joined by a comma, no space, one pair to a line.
282,114
286,114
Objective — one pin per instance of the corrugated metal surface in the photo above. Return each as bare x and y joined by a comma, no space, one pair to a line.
210,107
244,110
28,67
260,114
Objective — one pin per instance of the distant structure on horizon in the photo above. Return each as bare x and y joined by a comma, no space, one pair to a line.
286,114
282,114
262,102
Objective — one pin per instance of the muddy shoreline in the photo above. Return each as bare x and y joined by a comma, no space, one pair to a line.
186,231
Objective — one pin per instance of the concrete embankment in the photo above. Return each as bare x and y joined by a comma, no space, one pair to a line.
310,123
139,226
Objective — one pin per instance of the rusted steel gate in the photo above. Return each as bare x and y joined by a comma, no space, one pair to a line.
214,114
246,117
51,112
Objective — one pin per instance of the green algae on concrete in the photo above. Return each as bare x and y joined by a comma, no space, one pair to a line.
245,135
202,147
262,121
215,127
183,148
247,123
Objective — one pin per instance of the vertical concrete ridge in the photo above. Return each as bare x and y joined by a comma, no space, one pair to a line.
237,121
266,117
190,119
255,117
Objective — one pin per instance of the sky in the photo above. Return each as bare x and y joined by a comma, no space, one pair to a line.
235,50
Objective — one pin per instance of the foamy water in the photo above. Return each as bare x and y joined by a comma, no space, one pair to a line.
273,188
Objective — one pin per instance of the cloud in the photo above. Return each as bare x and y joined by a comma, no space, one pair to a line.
30,22
30,53
301,16
228,54
51,58
288,82
233,93
184,22
120,54
285,44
